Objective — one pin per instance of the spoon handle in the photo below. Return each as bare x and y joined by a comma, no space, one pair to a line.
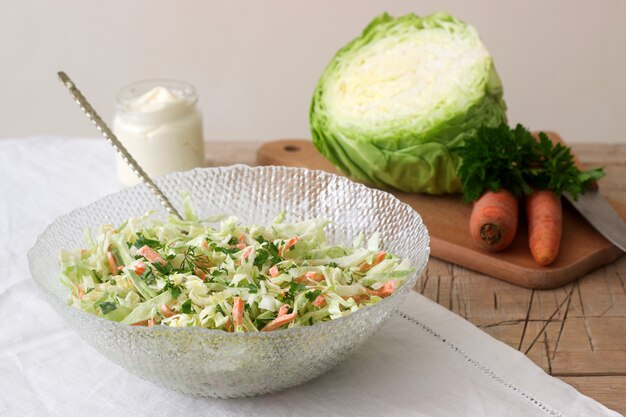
114,141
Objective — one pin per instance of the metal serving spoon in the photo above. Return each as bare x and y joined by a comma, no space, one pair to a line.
114,141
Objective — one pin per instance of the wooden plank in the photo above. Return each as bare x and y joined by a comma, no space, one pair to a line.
603,292
509,332
219,153
609,390
608,363
549,330
493,301
439,267
593,154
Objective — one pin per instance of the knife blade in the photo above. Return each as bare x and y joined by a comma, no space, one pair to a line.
597,210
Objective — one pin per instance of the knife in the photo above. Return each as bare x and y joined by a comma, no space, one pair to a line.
596,209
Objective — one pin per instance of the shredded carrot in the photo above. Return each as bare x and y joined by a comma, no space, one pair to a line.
244,255
283,310
150,322
203,261
166,311
274,272
228,326
359,298
279,322
246,252
237,311
310,276
112,263
290,244
149,253
319,302
138,266
386,290
200,274
380,256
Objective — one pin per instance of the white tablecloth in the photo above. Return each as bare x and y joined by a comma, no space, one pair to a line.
426,361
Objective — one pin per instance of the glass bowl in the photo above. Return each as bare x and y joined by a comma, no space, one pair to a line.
215,363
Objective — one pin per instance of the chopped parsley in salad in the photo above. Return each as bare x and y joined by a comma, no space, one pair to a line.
219,274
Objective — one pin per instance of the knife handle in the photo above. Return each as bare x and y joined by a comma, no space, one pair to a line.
555,138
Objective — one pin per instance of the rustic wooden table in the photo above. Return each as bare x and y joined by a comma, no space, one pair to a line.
576,333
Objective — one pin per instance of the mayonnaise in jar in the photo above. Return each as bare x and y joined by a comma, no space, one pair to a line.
160,126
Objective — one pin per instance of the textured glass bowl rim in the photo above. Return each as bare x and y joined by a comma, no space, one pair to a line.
419,269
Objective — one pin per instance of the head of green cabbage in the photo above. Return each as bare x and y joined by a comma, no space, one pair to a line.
392,103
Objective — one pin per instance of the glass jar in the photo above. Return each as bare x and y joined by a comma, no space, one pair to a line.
160,126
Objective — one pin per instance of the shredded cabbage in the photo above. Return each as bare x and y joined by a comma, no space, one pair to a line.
232,277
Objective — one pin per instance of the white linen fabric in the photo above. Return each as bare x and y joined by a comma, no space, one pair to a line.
426,361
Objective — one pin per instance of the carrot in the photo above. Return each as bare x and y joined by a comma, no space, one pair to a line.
274,272
364,266
246,252
385,291
228,325
283,310
319,302
287,246
545,222
359,298
237,311
203,262
113,268
244,255
493,221
166,310
310,276
279,322
200,274
149,253
149,322
139,267
315,276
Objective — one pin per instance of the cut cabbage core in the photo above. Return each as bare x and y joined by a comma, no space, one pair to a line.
424,76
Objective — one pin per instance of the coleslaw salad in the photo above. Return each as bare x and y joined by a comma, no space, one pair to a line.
218,274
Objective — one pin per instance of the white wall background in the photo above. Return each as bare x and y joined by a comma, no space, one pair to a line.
255,63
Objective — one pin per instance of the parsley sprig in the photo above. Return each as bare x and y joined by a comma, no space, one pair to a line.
107,306
267,250
143,241
512,159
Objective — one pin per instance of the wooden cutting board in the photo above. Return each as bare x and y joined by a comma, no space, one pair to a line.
446,217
